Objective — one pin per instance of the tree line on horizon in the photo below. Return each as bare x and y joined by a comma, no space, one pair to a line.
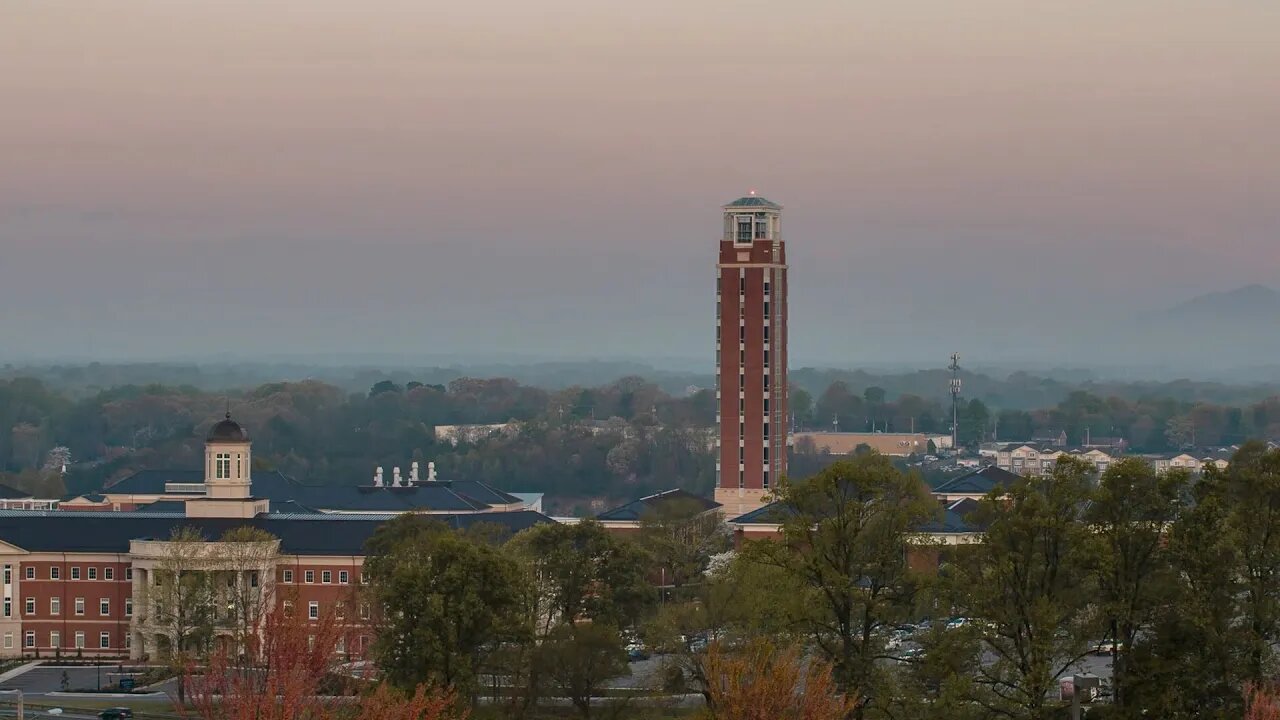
584,444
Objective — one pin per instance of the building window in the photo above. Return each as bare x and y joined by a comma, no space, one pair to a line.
364,577
288,608
55,606
128,640
8,607
30,639
343,577
222,466
742,479
128,573
8,574
766,479
93,573
104,607
742,406
326,576
313,610
766,308
108,573
79,606
8,641
742,357
742,333
253,579
128,607
238,471
31,572
744,224
286,576
75,572
766,287
766,405
340,610
104,640
766,358
55,572
80,640
29,607
364,611
766,333
766,382
766,453
55,639
766,430
309,576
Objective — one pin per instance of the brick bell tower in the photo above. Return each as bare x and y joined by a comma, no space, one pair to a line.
751,354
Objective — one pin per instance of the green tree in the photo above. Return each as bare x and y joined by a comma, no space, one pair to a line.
449,603
844,532
681,537
580,658
1132,511
1253,521
1028,586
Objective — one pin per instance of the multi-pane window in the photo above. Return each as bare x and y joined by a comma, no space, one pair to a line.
55,572
286,576
8,574
93,573
104,607
108,573
8,607
326,576
55,639
744,223
128,607
29,607
222,466
8,641
79,606
55,606
313,610
364,611
364,577
104,640
128,573
80,640
30,639
75,573
343,577
309,576
31,572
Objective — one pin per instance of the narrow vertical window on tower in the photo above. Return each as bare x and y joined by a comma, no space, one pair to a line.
744,223
223,466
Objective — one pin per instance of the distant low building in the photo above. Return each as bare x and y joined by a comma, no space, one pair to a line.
12,498
846,443
454,434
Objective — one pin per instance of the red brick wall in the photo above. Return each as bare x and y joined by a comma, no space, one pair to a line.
67,622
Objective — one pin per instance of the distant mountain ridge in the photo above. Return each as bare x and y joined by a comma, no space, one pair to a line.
1251,301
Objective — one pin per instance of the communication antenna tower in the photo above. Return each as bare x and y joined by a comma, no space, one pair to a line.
955,401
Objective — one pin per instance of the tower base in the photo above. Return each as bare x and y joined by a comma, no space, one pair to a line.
739,501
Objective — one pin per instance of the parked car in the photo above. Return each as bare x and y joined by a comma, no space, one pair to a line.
1107,647
637,652
116,713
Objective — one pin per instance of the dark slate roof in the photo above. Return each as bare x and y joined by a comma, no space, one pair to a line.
439,496
978,482
12,493
227,430
177,507
753,201
952,520
636,509
315,534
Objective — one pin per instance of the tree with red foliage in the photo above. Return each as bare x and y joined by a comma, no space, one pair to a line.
762,682
299,674
1262,702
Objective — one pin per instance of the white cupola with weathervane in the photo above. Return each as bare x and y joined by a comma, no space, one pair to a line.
227,467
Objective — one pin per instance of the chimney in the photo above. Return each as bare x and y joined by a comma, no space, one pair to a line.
395,477
413,472
377,477
431,472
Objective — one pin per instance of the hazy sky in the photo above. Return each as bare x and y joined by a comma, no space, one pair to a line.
179,178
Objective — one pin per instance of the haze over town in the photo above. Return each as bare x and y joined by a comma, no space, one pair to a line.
1028,184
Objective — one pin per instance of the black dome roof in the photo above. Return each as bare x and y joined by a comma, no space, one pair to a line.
227,430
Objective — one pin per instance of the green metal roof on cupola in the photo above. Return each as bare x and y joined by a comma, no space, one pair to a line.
754,201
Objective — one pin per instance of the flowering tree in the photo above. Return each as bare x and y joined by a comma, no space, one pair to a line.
299,675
